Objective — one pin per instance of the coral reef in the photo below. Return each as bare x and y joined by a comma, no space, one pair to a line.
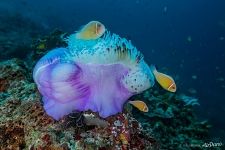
123,132
16,34
171,122
12,135
42,45
25,125
14,79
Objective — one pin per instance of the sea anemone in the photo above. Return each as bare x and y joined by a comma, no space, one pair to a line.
98,75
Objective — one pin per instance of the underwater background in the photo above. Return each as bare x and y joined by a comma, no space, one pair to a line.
185,39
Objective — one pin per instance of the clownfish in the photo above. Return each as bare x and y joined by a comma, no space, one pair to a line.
139,105
91,31
164,80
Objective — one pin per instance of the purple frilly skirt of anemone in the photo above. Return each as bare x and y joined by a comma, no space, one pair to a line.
72,86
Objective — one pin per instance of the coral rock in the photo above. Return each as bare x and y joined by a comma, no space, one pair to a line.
12,135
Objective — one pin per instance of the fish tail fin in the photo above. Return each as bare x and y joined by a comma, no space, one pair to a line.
153,69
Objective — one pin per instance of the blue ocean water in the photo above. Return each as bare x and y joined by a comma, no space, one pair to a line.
185,39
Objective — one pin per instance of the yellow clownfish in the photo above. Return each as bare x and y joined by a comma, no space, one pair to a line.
139,105
164,80
91,31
